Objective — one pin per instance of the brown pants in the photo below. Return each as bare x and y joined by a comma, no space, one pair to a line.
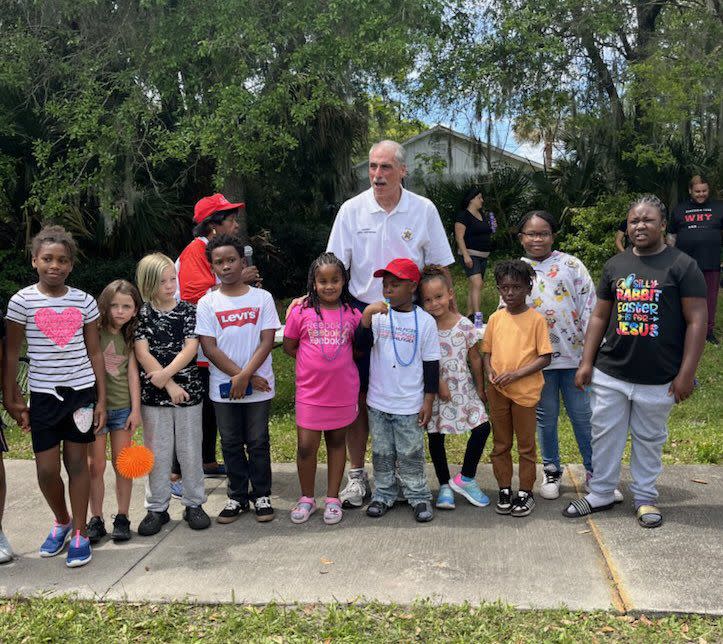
510,419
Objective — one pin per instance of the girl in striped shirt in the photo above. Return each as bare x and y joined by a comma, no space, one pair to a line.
66,381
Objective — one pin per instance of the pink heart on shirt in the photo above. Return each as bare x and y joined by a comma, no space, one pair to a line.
59,327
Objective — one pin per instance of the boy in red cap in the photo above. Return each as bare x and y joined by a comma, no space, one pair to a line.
403,381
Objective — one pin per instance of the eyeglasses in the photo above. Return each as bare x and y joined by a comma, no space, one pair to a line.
543,235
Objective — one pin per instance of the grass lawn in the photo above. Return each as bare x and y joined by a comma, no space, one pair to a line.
40,620
696,426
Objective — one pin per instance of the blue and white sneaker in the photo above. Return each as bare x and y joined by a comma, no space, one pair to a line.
79,552
55,542
177,489
470,491
445,498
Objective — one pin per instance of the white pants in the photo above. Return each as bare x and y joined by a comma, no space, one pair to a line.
616,406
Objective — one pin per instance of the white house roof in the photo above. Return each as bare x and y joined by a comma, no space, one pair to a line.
441,129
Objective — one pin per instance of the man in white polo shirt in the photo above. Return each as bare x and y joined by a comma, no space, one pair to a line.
382,223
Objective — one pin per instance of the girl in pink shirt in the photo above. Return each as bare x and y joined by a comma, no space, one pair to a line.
319,334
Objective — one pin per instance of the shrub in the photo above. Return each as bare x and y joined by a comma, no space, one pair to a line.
590,235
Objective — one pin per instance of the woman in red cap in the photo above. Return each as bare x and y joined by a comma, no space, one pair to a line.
214,215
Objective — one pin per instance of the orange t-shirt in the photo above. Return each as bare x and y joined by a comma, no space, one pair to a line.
514,341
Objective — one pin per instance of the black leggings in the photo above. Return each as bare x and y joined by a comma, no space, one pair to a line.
472,454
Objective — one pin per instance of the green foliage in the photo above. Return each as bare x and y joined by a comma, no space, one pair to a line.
590,235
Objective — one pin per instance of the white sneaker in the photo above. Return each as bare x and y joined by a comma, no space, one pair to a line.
357,489
619,498
6,552
550,488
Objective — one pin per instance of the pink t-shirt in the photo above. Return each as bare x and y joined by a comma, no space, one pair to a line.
325,371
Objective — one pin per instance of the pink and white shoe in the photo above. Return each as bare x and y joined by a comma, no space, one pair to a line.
304,508
332,511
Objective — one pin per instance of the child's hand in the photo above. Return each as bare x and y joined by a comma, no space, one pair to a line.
377,307
99,417
425,413
250,275
583,376
177,393
260,384
491,375
239,384
297,301
506,378
158,378
681,387
481,392
444,393
133,422
20,413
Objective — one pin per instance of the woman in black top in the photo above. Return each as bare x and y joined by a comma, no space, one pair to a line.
473,230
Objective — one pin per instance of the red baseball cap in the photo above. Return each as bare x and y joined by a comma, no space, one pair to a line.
209,205
403,268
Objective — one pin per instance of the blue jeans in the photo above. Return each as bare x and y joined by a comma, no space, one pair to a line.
398,446
577,404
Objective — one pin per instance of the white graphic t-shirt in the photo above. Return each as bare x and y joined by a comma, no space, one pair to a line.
237,323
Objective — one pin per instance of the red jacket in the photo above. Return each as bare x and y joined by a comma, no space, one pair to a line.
195,277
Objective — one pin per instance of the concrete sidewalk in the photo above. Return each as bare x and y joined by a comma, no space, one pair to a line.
469,554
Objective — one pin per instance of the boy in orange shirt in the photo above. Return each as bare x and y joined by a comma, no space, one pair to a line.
516,348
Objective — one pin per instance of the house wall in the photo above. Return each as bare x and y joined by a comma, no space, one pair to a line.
448,156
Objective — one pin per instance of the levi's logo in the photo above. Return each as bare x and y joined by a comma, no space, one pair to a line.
238,317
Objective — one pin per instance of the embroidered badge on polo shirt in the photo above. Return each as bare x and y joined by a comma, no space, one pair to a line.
406,234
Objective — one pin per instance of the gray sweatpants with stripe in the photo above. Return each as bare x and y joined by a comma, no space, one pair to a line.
617,406
164,427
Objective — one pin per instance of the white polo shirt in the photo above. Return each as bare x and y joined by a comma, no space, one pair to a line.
366,238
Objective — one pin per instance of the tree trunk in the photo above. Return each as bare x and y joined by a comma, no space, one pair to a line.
233,190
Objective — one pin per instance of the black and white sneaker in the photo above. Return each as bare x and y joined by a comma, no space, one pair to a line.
550,488
504,505
264,511
231,511
523,504
95,530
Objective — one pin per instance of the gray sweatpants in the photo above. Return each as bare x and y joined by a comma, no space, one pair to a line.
164,427
616,406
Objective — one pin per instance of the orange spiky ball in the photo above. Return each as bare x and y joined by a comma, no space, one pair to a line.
134,461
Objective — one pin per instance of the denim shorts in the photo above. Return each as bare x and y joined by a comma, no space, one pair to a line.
116,419
479,266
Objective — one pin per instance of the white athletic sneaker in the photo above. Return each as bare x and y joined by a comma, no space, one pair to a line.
550,488
357,489
619,498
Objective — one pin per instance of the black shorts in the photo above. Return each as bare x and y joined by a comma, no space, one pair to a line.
479,266
51,420
3,442
361,358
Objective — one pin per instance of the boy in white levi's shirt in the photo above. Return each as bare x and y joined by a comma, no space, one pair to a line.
236,325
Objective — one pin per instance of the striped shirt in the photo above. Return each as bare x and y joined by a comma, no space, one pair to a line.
54,331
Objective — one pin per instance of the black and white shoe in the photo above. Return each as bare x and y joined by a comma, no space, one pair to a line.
504,505
550,488
523,504
264,511
231,511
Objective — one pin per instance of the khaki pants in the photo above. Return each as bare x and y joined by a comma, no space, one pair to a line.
512,420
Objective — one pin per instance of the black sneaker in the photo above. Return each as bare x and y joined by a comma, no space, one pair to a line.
523,504
504,505
377,509
121,528
264,511
711,337
231,511
196,518
95,530
152,523
423,512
